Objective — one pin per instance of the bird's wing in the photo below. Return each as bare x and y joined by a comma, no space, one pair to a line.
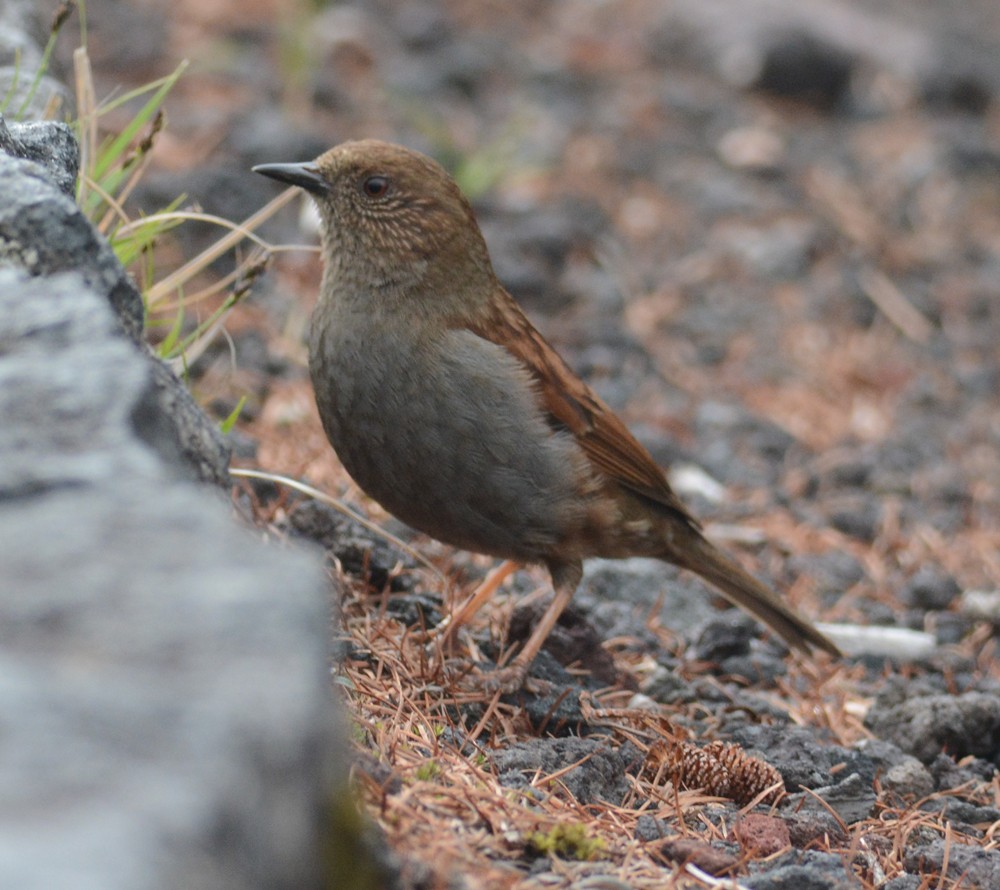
572,405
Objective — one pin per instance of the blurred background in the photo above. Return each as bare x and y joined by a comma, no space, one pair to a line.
769,234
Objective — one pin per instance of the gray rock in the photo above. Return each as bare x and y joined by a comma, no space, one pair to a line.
801,761
832,572
170,421
44,232
930,588
925,725
977,867
48,143
649,829
619,593
803,870
910,778
851,799
808,825
600,775
858,515
897,772
815,51
166,713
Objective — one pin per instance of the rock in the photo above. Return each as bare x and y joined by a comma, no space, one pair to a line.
961,811
950,628
601,776
851,799
909,779
816,53
977,867
948,774
813,824
725,637
930,588
926,725
47,143
761,835
832,572
44,232
964,75
799,757
648,828
803,870
166,713
780,251
360,551
802,66
573,641
982,604
619,594
899,773
857,515
170,421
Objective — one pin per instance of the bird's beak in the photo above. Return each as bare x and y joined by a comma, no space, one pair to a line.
305,176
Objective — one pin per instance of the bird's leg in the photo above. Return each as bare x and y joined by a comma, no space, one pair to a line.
478,597
512,677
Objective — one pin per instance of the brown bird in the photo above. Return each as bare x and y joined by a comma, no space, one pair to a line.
450,409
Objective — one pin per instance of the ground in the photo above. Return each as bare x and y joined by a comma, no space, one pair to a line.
771,240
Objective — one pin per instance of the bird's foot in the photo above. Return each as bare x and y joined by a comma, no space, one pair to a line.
505,680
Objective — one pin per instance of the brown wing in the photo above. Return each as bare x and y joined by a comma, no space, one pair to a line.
574,406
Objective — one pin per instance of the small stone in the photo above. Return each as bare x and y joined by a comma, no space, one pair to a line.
761,835
857,516
852,799
982,604
649,828
910,779
930,588
725,637
752,148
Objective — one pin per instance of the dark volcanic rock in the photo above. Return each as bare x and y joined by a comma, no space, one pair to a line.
926,725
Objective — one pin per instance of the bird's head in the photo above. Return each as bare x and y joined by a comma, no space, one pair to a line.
390,216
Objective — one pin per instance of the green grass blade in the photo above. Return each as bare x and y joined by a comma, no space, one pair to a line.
227,425
118,146
142,235
174,334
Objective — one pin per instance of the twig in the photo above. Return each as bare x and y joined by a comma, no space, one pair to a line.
894,305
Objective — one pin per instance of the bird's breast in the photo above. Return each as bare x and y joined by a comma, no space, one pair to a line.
444,430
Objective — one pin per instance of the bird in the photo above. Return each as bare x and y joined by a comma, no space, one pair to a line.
450,409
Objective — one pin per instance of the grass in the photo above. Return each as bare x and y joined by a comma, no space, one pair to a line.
182,313
111,168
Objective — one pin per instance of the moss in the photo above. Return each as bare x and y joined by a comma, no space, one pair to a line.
428,770
567,840
350,847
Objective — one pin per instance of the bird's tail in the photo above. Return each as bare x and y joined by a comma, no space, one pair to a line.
702,557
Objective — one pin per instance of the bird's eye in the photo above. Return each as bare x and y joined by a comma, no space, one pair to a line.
375,186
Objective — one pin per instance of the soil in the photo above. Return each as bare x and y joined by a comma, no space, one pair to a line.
770,238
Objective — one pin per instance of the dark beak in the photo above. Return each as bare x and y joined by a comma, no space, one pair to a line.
305,176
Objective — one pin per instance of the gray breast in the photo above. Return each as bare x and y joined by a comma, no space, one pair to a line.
448,437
